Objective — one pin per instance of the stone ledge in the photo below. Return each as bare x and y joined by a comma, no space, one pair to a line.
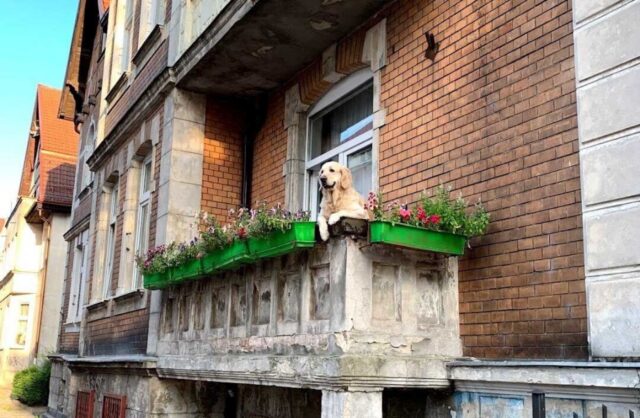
315,372
556,373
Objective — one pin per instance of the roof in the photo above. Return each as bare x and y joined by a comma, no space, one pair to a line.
56,147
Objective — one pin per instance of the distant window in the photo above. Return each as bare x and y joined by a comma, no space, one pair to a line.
23,323
151,14
111,240
114,406
78,277
144,211
84,404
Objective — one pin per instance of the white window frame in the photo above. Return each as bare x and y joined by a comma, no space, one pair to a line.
78,278
112,227
121,39
346,88
143,224
87,174
151,15
20,318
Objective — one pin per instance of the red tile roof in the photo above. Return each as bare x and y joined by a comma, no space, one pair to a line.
58,151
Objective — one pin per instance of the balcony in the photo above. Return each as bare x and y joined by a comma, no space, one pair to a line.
343,313
253,46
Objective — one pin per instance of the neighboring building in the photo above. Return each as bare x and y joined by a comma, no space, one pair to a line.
213,104
31,271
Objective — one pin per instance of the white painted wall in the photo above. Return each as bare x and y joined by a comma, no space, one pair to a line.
607,53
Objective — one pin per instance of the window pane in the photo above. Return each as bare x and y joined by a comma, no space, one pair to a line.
360,164
144,229
146,177
114,203
349,120
24,309
21,335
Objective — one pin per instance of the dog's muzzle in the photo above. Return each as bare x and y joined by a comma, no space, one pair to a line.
323,183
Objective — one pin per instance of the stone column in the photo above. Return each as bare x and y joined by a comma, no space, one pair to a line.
295,122
607,64
180,185
352,404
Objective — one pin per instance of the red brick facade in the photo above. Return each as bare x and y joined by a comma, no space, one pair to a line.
222,158
494,117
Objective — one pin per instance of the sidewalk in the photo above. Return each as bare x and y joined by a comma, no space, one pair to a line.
14,409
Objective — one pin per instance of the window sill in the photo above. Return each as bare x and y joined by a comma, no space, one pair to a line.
72,326
117,87
148,45
85,191
97,305
132,294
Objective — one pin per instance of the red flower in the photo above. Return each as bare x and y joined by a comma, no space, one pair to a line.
434,219
242,232
422,215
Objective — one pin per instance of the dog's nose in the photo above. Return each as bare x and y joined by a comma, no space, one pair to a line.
323,180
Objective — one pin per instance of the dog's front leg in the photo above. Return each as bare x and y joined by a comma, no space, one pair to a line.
323,227
335,217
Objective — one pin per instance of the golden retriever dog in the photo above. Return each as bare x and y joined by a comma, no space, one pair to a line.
339,198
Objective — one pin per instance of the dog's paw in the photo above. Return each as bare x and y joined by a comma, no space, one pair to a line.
333,219
324,232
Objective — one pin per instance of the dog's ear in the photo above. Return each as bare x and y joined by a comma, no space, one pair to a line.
346,180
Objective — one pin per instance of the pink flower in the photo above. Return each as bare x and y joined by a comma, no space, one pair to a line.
434,219
405,213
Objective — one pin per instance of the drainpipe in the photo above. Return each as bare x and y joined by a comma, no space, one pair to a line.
255,113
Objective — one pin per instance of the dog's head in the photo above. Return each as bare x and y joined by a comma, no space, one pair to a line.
335,176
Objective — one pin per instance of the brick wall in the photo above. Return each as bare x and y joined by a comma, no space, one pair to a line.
222,159
498,122
120,334
494,117
270,150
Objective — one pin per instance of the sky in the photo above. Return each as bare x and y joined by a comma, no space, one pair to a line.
35,36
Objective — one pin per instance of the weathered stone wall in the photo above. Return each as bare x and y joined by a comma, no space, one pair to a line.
342,312
607,40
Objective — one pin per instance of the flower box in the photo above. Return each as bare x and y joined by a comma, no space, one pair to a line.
300,235
416,238
227,258
157,280
187,271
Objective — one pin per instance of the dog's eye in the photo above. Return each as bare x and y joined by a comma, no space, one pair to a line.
332,170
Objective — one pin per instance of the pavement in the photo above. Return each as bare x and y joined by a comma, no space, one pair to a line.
10,408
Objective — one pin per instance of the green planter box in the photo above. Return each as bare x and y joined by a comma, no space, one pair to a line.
408,236
188,271
300,235
227,258
157,280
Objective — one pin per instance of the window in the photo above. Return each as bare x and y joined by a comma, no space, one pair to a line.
144,209
341,131
111,240
121,42
78,277
114,406
84,404
128,31
151,14
23,322
87,175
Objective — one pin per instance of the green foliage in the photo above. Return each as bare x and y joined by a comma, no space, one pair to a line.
438,212
31,385
243,223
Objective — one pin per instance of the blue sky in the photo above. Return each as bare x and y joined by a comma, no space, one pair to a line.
34,46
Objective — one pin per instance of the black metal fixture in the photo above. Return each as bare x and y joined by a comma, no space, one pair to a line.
432,46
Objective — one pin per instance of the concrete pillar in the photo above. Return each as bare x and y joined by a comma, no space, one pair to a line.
352,404
180,185
607,49
295,122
